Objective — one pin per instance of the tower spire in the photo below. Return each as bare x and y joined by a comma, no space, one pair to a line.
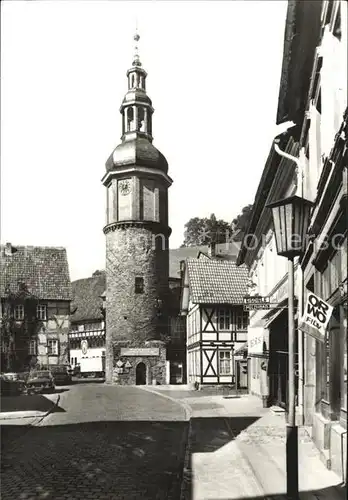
136,38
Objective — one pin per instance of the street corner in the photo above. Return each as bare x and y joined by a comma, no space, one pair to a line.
177,400
16,410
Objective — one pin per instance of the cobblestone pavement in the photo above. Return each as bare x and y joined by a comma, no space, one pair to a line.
236,451
126,444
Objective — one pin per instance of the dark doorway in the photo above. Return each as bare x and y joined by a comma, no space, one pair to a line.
140,374
278,361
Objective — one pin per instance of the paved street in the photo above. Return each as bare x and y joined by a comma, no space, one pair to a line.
103,443
236,451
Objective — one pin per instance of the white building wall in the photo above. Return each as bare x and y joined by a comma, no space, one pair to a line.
76,354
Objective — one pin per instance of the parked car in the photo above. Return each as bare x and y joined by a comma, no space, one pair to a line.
40,381
9,386
61,374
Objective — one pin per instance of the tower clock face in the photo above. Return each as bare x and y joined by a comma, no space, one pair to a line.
124,187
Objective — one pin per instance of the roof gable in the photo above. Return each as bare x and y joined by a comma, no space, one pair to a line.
216,282
43,270
87,298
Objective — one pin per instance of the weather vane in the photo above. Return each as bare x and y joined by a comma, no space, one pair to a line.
136,38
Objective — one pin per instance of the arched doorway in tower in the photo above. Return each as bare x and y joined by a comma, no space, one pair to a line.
140,374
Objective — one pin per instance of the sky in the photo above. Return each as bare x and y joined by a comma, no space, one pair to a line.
213,77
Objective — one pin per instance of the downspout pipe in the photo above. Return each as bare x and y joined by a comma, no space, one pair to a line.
300,335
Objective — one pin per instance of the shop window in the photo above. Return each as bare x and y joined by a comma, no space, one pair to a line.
330,369
225,363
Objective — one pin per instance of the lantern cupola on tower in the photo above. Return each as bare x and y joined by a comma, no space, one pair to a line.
136,111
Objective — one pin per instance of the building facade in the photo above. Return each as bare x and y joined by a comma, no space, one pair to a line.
87,325
35,294
216,325
267,330
137,235
323,144
313,96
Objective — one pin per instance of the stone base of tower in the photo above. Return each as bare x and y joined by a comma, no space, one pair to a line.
144,364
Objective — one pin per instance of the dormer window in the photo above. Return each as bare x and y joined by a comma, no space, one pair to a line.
139,285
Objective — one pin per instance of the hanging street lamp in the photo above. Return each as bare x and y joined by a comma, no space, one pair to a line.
291,221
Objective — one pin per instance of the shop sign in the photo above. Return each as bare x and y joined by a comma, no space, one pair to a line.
146,351
84,347
316,316
256,303
255,340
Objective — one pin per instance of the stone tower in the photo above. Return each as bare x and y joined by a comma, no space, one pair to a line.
137,246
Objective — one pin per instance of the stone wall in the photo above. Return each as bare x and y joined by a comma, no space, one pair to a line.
126,374
132,318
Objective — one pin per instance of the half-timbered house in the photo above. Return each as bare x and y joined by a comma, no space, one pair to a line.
216,325
35,292
87,325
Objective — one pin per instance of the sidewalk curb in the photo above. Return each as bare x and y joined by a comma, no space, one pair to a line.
40,416
186,480
187,408
185,489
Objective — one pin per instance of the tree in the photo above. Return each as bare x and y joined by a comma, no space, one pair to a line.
241,223
201,231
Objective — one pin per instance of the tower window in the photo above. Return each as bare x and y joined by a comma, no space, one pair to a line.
141,120
139,285
130,118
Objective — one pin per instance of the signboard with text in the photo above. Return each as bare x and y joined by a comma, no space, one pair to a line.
316,317
256,303
255,340
84,347
138,351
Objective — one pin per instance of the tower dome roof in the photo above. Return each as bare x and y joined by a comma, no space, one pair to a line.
138,95
138,151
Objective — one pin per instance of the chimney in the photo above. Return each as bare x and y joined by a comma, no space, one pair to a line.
212,249
8,249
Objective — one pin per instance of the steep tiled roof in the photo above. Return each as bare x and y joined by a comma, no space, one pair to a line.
87,291
87,298
216,282
44,270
